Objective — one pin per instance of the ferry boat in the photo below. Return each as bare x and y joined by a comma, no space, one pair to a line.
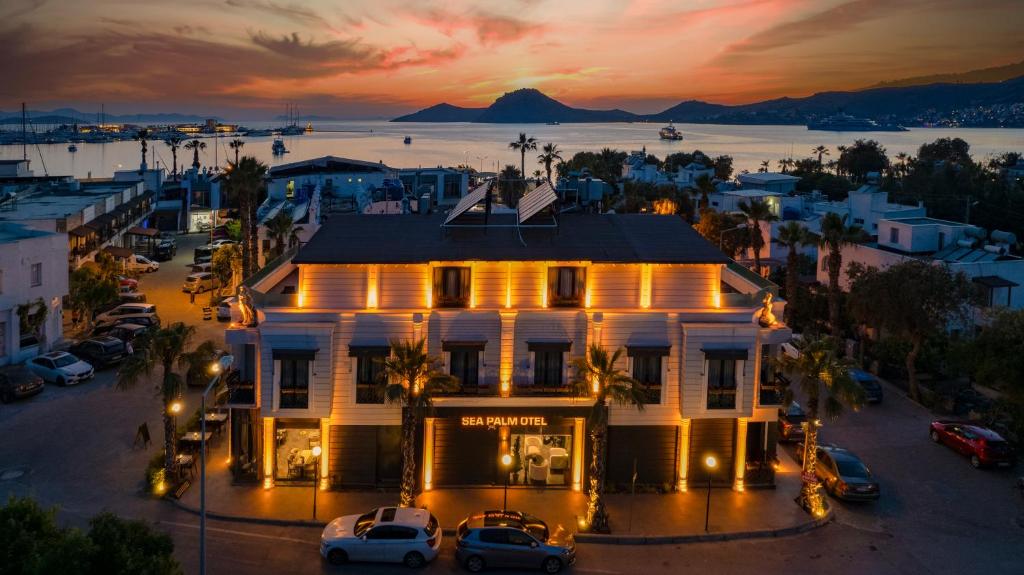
848,123
670,132
278,147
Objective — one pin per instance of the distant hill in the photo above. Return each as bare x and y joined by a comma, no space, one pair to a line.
526,106
72,116
984,75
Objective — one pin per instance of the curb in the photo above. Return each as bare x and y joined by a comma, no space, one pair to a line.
594,538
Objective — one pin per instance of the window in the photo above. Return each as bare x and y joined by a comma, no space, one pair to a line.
294,383
647,364
519,538
858,221
721,383
566,286
547,368
894,235
494,536
465,365
369,371
451,286
452,187
37,275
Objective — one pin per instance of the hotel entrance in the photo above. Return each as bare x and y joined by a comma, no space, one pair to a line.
464,447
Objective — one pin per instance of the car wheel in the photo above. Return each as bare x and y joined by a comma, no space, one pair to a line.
975,462
60,381
474,564
935,436
414,560
551,565
337,557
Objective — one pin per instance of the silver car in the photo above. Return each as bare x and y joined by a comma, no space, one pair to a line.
512,539
387,534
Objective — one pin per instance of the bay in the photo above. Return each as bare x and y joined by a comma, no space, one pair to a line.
485,146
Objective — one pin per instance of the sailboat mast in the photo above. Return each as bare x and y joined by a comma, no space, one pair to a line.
24,135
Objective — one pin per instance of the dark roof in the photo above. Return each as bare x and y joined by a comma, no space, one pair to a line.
327,164
994,281
414,238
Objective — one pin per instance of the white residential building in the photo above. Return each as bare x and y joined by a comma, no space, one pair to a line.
868,205
770,181
345,184
33,272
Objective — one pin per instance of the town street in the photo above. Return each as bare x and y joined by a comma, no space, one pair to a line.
73,447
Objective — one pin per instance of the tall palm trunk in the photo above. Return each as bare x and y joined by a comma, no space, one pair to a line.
755,243
174,163
522,169
810,490
597,514
407,496
911,363
170,435
254,238
835,264
792,281
236,156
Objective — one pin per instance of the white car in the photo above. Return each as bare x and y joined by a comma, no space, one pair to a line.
224,308
137,263
61,367
387,534
218,243
123,310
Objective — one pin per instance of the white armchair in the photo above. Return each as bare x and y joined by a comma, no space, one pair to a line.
539,472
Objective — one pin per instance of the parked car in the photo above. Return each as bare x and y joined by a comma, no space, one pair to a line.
165,250
132,297
200,282
126,332
512,539
203,254
123,310
137,263
101,351
224,308
61,367
127,282
870,384
791,421
387,534
843,474
149,320
204,267
18,382
221,242
984,446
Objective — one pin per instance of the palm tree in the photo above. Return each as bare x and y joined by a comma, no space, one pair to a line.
903,158
821,150
410,378
165,348
549,153
596,376
835,235
244,183
764,167
785,164
142,136
194,146
523,144
824,379
756,211
174,142
236,145
227,266
705,187
793,236
510,184
283,230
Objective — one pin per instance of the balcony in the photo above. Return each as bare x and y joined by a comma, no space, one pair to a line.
772,392
542,391
721,399
239,393
369,393
473,391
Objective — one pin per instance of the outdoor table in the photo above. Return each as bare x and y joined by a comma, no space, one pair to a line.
216,420
185,461
194,439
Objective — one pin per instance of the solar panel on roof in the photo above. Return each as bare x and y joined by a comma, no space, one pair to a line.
468,201
532,203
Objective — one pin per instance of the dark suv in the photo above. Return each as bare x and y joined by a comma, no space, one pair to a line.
102,351
791,421
17,382
512,539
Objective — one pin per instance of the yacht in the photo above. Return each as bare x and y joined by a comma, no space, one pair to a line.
554,123
848,123
72,148
408,139
670,132
278,147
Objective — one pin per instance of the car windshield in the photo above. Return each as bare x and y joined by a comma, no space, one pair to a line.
64,360
852,468
364,523
536,527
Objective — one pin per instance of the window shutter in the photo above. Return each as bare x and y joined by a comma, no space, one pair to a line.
464,277
581,281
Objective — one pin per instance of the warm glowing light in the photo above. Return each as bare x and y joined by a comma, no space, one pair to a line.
372,281
269,445
711,462
577,454
645,285
508,285
215,367
161,488
227,461
738,485
175,407
716,298
317,451
428,454
506,460
665,207
595,385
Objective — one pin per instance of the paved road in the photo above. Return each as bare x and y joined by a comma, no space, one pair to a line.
937,514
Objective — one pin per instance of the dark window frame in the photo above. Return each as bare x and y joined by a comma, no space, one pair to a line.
368,373
464,364
567,286
720,394
549,369
648,370
293,383
449,279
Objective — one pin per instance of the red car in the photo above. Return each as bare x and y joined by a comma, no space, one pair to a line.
126,282
984,446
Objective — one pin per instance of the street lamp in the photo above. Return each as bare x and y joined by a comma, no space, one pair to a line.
316,467
217,368
506,462
722,234
710,463
175,407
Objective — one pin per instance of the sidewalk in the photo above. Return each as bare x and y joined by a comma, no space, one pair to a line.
647,518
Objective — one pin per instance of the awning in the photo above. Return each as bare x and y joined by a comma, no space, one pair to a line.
994,282
734,353
118,252
453,345
148,232
647,345
369,346
553,344
82,231
300,354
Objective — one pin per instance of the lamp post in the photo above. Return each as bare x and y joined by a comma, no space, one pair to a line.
217,368
316,471
721,236
710,463
506,462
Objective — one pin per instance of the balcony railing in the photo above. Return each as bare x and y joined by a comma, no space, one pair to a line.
240,393
369,393
772,391
541,390
473,391
721,399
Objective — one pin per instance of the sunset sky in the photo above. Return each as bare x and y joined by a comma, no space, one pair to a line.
245,58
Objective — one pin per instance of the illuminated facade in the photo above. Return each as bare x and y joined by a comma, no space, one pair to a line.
506,313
